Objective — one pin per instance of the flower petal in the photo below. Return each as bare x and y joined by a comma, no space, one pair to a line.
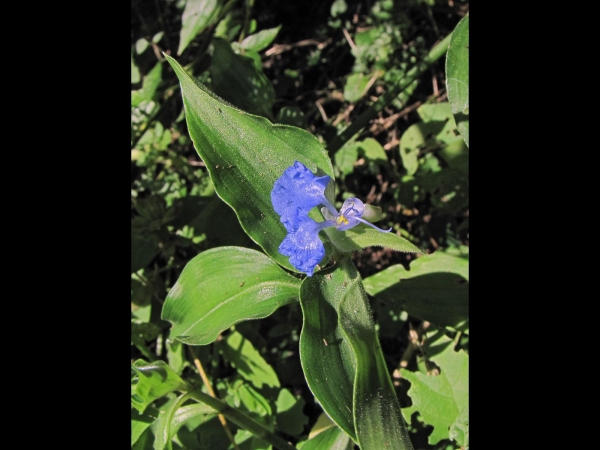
303,246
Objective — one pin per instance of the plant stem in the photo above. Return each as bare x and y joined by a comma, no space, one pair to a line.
242,420
212,394
435,53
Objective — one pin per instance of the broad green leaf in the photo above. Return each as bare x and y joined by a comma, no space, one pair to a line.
342,360
161,427
149,86
289,418
261,40
221,287
326,355
331,439
442,400
244,155
457,76
363,236
236,79
240,352
434,289
154,381
355,87
377,417
197,15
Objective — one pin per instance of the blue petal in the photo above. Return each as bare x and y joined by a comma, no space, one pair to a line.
303,246
296,192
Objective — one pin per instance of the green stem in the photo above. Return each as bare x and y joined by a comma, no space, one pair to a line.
242,420
436,53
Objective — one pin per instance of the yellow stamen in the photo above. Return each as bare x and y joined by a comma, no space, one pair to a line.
339,219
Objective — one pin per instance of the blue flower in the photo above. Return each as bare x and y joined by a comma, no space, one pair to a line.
294,194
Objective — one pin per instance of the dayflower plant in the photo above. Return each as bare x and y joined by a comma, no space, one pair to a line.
294,194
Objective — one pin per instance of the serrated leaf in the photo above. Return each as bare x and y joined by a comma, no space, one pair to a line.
197,15
155,380
342,360
363,236
434,289
236,79
244,155
261,40
457,74
247,360
223,286
441,399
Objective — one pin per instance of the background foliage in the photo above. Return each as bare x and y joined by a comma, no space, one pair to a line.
317,66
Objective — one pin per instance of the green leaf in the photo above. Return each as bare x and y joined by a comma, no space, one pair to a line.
221,287
442,400
135,72
372,150
355,87
244,155
197,15
261,40
149,86
342,360
155,380
363,236
291,115
140,422
345,158
331,439
434,289
236,79
457,76
377,417
240,352
290,418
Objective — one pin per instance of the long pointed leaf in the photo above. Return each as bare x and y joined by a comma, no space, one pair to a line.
244,155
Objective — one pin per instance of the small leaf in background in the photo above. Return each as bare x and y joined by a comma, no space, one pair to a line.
261,40
141,45
149,86
345,158
434,289
457,76
355,86
244,155
135,72
373,151
289,418
221,287
236,79
154,380
243,394
291,115
140,422
240,352
197,15
442,400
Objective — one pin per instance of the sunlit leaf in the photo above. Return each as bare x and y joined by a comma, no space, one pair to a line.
441,400
331,439
247,360
363,236
149,86
223,286
197,15
154,380
457,76
261,40
290,418
435,289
